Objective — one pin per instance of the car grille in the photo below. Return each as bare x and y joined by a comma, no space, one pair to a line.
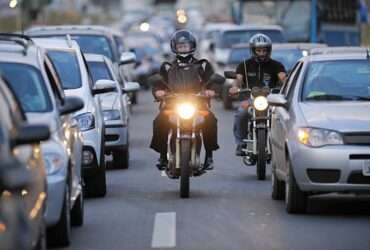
356,138
358,178
323,175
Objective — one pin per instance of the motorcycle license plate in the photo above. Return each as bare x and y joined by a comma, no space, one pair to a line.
366,168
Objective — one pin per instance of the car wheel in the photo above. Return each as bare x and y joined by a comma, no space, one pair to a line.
226,99
278,187
295,198
60,234
77,213
121,158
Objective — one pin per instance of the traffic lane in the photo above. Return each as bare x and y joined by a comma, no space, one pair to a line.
228,208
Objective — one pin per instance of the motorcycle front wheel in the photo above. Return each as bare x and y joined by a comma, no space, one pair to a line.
185,156
261,154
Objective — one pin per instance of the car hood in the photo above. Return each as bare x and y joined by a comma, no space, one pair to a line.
339,116
109,101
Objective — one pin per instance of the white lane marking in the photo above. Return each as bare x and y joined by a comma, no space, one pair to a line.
164,230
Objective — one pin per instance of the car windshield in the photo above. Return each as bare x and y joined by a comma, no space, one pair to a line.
67,67
28,85
230,38
288,57
344,80
99,71
238,55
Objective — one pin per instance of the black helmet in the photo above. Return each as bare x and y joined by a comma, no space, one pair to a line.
183,37
260,41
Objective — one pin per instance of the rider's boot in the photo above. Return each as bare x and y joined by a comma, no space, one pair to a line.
208,161
162,162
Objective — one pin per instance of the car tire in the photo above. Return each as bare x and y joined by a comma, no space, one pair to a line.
278,186
77,213
295,198
121,158
60,234
227,101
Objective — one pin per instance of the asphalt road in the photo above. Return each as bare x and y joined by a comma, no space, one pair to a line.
228,208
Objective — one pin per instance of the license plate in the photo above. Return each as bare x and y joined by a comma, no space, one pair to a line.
366,168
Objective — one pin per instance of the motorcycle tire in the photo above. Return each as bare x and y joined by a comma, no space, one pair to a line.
261,154
185,156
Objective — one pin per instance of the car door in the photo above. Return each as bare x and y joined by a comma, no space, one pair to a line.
281,118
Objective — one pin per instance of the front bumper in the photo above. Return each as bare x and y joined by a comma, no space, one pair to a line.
56,185
116,136
331,168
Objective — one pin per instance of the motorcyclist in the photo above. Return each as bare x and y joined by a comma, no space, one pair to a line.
258,71
183,45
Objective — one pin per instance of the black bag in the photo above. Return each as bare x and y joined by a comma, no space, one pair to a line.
186,78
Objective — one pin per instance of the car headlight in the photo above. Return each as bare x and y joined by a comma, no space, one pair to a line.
315,137
260,103
111,115
53,162
185,110
86,121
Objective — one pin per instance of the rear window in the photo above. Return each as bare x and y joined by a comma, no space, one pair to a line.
238,55
67,67
28,86
99,71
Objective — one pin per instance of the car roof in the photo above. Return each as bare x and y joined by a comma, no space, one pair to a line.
251,27
340,50
71,29
55,43
19,50
302,46
336,57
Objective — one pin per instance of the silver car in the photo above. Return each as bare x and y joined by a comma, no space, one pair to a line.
320,129
36,85
115,106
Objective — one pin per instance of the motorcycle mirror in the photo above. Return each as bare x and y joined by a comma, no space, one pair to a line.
230,74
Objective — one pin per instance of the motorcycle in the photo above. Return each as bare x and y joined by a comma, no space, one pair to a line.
256,147
186,114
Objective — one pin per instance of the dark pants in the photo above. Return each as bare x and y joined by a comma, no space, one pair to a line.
162,126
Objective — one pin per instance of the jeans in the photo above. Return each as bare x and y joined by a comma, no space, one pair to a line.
240,128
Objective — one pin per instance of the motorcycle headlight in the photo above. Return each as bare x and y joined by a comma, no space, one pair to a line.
319,137
186,110
86,121
53,162
111,115
260,103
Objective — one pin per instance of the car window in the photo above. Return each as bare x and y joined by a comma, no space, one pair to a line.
284,89
238,55
67,67
119,44
232,37
99,71
28,85
341,80
293,83
288,57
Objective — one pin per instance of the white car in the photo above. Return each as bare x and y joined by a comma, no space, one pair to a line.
115,107
71,67
32,76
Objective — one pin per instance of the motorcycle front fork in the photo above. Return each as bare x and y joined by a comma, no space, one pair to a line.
250,148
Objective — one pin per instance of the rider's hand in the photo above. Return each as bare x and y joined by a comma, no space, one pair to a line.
159,93
244,104
233,90
209,93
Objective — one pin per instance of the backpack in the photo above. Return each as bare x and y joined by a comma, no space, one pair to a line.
186,78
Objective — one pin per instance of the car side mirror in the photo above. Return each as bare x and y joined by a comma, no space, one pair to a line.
104,86
71,105
131,87
127,58
28,134
230,74
14,176
277,100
